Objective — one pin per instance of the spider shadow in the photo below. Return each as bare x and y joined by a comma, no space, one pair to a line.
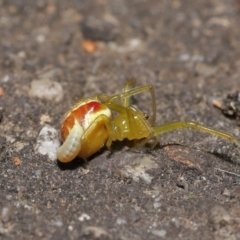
118,146
77,162
74,164
124,146
223,156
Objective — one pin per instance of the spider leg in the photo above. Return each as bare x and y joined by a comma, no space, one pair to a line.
128,86
141,142
125,100
93,133
126,95
190,124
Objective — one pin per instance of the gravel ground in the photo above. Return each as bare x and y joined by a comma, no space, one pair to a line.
54,52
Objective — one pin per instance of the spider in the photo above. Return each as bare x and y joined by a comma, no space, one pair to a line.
90,124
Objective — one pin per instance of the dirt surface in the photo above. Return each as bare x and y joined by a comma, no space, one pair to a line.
187,187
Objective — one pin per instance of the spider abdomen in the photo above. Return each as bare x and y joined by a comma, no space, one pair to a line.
90,114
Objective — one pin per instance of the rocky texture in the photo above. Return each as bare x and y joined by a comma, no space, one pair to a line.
188,50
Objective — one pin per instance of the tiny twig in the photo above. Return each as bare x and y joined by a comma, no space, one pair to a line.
221,170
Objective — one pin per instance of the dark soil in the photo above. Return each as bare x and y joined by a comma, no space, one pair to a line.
185,188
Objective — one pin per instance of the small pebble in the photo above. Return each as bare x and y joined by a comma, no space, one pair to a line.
70,227
89,46
46,89
157,205
17,161
5,79
121,221
159,233
96,232
84,217
5,214
138,169
18,145
97,29
48,142
192,58
57,223
1,92
45,119
41,38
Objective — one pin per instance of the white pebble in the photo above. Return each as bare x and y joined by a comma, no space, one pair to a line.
70,228
46,89
138,169
157,205
121,221
160,233
5,78
5,214
57,223
48,142
84,217
40,38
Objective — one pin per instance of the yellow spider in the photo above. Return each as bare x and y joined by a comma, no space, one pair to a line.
90,124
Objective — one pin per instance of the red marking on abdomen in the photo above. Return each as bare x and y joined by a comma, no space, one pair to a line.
79,114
